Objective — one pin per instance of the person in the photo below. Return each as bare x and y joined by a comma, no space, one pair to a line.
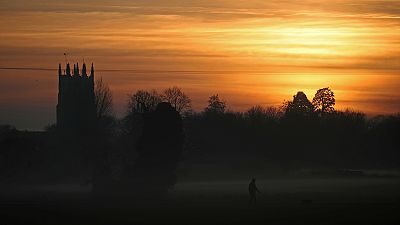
253,190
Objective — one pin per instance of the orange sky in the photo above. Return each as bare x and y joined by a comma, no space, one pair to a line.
249,51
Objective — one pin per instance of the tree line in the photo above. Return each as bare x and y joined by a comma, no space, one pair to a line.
301,133
144,101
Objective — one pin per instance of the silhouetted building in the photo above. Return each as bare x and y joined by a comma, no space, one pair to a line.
76,103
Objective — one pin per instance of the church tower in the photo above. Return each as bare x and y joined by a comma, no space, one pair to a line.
76,113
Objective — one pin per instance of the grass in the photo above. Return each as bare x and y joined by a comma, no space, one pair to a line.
283,201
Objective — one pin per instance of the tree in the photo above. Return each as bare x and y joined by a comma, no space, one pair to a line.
159,149
215,105
324,100
143,101
259,114
96,149
256,113
178,99
273,113
103,100
299,106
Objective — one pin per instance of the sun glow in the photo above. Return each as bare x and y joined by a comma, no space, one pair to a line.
265,49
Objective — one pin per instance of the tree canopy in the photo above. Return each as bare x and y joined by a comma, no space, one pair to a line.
300,105
324,100
178,99
143,101
215,105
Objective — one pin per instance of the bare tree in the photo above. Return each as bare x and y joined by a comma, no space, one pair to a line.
273,113
102,100
178,99
258,113
143,101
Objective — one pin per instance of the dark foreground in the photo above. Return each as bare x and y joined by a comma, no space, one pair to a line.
283,201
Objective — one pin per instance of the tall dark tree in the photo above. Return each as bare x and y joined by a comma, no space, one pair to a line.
96,148
324,100
215,105
159,149
103,100
178,99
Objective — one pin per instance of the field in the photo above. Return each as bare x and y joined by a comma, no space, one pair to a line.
352,200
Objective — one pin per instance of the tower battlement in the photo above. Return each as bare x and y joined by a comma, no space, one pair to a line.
76,103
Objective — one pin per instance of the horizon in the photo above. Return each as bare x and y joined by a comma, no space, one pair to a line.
198,105
200,111
250,53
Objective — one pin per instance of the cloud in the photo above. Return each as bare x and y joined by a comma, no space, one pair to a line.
216,9
266,49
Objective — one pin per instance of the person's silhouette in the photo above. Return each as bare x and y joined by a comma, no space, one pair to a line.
253,190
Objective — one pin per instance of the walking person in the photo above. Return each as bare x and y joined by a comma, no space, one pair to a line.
253,190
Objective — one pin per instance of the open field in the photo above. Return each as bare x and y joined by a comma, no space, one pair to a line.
283,201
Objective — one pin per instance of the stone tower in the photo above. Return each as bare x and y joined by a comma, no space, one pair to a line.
76,113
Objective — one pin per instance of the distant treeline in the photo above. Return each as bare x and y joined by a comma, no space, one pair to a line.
298,134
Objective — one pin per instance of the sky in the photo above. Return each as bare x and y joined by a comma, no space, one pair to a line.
250,52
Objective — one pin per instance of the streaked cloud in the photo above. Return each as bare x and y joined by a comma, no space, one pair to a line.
264,49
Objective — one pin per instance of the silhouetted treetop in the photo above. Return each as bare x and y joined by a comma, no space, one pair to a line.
300,105
215,105
256,113
143,101
178,99
103,100
324,100
260,114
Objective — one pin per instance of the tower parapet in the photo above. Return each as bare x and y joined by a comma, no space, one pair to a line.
92,71
76,108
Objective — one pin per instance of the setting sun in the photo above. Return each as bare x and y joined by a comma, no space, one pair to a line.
261,49
200,112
